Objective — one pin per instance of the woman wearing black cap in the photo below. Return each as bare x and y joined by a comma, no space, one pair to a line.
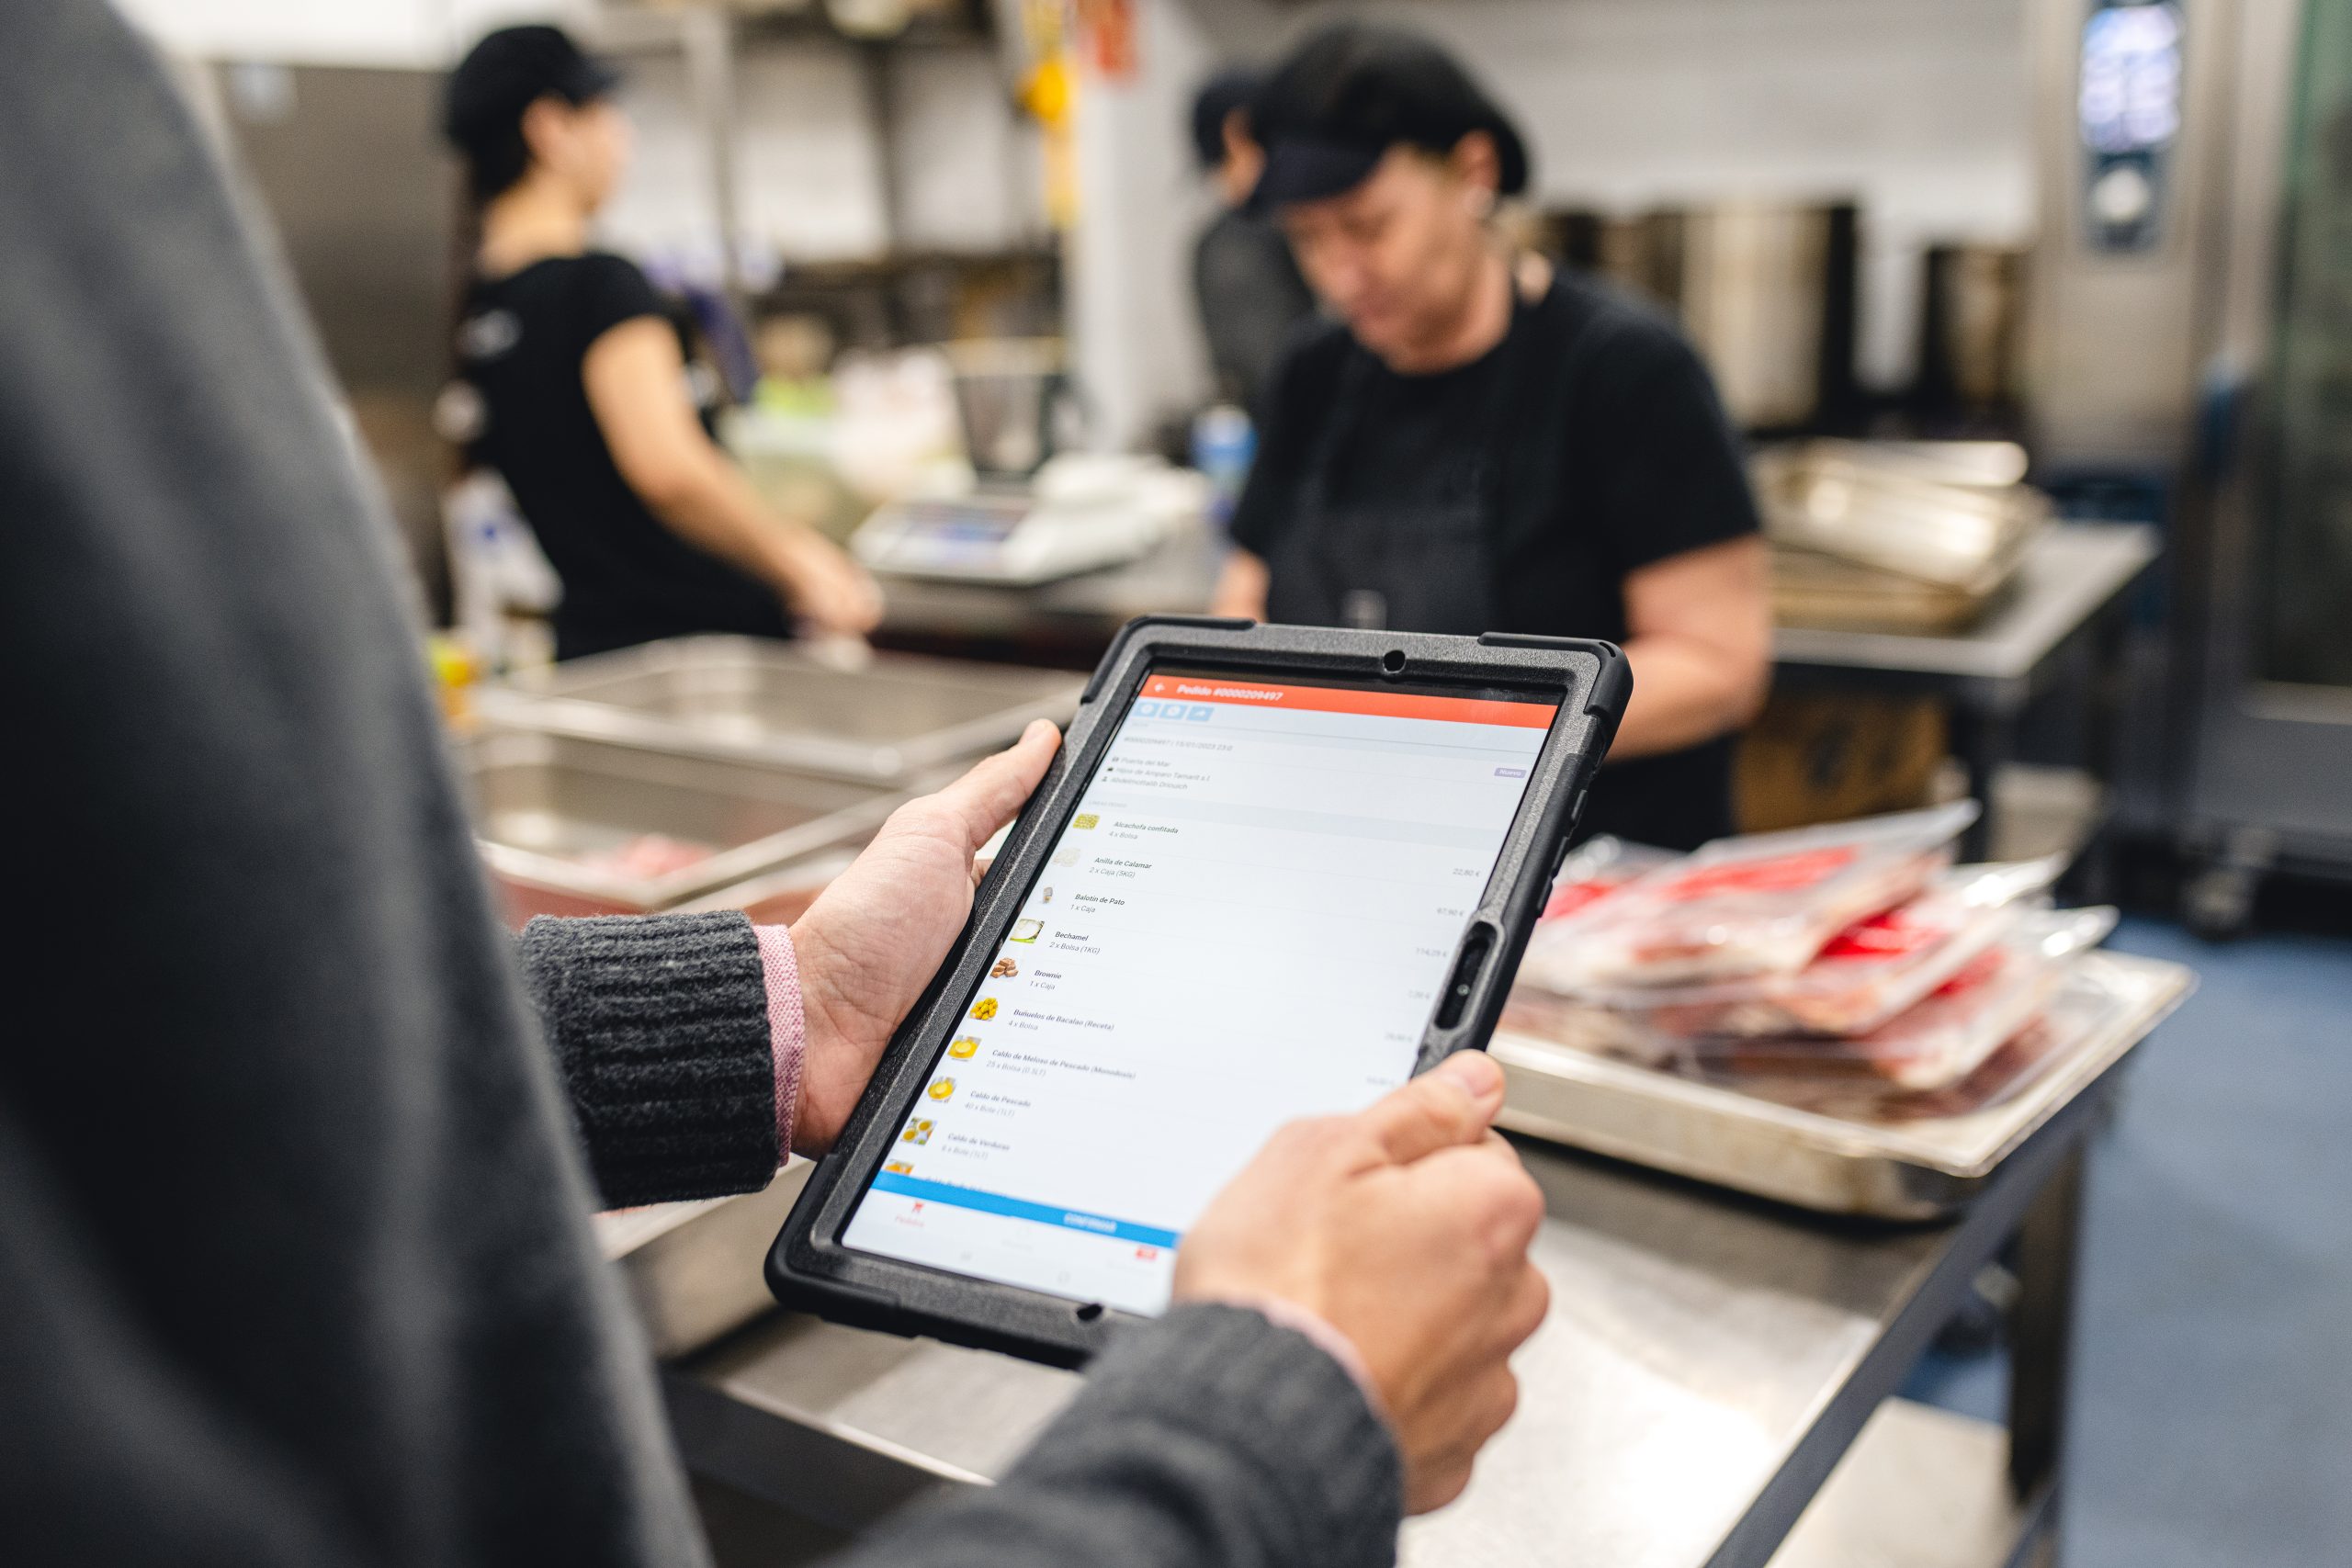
584,400
1477,445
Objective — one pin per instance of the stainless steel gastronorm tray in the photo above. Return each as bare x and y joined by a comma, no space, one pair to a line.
752,700
1908,1170
547,806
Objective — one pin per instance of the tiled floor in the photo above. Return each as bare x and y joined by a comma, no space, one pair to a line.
2214,1392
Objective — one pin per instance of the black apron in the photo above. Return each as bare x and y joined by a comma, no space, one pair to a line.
1421,565
1413,564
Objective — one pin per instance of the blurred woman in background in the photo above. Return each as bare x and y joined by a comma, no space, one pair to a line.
586,404
1476,443
1246,283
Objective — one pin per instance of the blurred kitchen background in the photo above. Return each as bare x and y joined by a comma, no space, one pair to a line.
2064,247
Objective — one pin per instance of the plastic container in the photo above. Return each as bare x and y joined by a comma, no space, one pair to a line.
1764,904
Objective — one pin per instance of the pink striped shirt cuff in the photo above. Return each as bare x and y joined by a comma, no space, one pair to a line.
788,1027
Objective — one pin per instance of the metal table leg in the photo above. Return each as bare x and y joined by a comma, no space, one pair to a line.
1985,737
2042,1329
2105,677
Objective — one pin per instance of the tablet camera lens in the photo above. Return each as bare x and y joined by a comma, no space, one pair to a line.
1090,1311
1393,662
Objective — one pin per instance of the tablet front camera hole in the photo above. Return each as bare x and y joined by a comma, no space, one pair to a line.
1393,662
1090,1311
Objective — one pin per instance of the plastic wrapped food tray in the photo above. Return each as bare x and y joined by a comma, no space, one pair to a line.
1597,868
1762,904
1944,1038
1866,975
1907,1157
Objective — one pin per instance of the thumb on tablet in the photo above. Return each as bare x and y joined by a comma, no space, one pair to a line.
1453,1103
993,792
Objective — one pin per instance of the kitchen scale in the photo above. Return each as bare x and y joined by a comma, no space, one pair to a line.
1067,521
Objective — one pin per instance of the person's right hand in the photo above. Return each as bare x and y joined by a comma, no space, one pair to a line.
1405,1227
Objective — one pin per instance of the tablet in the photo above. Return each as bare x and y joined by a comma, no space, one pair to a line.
1274,872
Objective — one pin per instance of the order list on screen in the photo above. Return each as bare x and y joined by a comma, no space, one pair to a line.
1247,921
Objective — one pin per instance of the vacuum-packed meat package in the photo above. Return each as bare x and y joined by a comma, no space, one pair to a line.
1597,1030
1995,998
1597,868
2067,1018
1869,972
1763,904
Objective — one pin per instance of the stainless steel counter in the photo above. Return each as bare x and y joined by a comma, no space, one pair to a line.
2064,604
2073,571
2070,574
1706,1362
2062,621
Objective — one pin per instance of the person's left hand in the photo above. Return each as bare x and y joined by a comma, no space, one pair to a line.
872,940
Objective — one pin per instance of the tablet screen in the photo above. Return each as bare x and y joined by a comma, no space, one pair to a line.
1247,920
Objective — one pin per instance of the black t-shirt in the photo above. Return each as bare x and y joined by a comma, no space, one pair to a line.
627,579
1599,435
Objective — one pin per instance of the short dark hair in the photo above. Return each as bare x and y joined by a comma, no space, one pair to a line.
1222,93
496,85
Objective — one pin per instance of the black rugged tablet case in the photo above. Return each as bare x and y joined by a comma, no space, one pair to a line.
808,1268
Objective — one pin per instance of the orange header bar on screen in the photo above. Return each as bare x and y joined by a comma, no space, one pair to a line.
1338,699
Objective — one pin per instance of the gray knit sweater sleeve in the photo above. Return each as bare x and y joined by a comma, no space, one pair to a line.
1272,1458
660,1028
1209,1437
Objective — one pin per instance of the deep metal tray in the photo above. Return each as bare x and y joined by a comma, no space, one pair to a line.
544,805
750,700
1908,1170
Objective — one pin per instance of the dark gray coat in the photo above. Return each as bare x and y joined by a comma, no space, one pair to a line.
295,1266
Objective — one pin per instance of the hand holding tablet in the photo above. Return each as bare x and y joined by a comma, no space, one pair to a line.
1272,874
1406,1229
873,940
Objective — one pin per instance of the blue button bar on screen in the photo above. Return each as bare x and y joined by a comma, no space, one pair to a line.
1043,1214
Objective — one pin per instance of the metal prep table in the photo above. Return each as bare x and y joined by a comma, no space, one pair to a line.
2063,617
1707,1361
